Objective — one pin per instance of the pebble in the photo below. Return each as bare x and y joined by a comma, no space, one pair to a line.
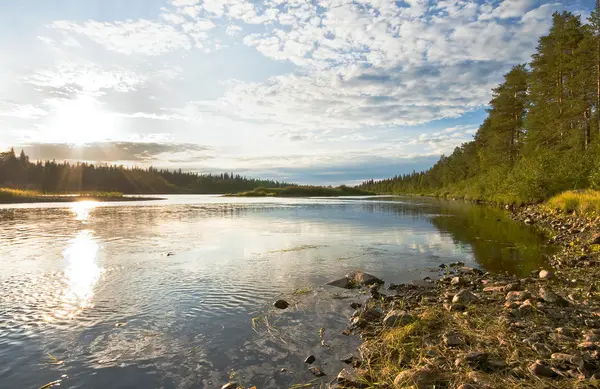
542,349
230,385
545,274
310,359
457,281
518,295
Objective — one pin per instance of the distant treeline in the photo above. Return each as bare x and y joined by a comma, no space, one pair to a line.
52,177
542,132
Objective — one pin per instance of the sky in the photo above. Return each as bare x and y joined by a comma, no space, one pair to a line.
307,91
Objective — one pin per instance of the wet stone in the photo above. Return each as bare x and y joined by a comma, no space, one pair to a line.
281,304
316,372
464,297
310,359
230,385
398,318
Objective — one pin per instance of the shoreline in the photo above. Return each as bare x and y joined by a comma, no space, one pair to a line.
72,199
475,330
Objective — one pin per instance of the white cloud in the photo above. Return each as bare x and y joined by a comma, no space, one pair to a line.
129,37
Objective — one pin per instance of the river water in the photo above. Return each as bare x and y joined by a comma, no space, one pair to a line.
177,293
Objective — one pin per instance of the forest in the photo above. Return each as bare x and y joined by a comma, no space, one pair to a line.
541,135
52,177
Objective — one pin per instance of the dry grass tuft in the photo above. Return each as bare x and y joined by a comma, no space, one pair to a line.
580,201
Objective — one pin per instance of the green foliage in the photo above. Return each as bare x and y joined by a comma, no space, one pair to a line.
304,191
583,202
541,136
98,180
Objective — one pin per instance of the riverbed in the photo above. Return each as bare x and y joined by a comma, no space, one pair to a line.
177,293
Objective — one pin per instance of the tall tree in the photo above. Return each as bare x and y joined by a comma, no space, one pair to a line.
594,21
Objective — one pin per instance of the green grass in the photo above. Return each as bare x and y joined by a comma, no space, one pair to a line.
304,191
581,202
10,196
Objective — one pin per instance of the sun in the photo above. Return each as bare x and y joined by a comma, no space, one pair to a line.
80,121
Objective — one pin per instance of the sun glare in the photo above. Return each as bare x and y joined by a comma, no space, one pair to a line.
82,209
81,121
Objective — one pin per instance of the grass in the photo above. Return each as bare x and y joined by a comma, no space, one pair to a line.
10,196
304,191
303,291
580,201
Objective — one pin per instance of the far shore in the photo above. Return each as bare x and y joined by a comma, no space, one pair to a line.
15,196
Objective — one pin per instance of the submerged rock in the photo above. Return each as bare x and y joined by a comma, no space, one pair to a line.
354,279
341,283
310,359
281,304
360,278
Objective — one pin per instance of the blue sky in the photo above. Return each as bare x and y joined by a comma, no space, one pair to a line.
311,91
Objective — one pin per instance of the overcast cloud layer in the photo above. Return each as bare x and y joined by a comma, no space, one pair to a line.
314,91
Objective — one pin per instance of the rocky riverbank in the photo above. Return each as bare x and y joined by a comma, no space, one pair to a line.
471,329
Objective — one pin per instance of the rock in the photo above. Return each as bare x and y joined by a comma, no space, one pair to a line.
348,359
341,283
397,318
540,370
542,349
512,287
355,305
283,370
452,339
494,289
590,337
464,297
596,240
281,304
230,385
526,308
518,296
457,281
528,221
316,372
467,386
350,378
568,358
496,364
545,274
549,296
588,346
477,359
420,377
457,264
360,278
310,359
455,307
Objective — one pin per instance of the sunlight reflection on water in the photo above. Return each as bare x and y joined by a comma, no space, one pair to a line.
82,209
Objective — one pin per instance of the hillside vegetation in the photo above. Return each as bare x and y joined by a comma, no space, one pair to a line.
542,134
52,177
304,191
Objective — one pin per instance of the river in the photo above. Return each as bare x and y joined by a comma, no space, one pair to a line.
177,293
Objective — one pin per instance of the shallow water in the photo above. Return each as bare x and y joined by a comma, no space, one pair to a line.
165,294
